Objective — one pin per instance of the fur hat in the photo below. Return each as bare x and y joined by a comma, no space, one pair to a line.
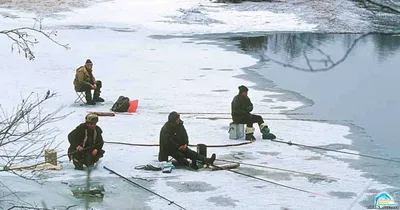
91,118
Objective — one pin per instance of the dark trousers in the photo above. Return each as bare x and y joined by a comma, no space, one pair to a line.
86,158
87,89
181,156
250,119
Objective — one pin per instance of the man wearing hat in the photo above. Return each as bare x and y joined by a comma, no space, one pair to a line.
86,143
241,107
84,82
174,142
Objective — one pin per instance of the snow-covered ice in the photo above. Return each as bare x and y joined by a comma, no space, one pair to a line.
181,75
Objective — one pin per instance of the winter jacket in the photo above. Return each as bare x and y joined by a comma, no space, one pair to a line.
89,140
240,107
172,136
83,76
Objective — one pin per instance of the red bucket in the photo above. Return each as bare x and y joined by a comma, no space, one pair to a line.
133,105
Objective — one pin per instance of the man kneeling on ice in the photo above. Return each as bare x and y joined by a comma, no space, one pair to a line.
241,107
174,142
86,143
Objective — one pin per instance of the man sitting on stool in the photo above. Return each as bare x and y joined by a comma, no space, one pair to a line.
241,107
84,82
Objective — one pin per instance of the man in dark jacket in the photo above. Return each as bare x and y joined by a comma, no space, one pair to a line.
85,82
86,143
241,107
174,142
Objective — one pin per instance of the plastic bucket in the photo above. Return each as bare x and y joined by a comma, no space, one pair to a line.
133,105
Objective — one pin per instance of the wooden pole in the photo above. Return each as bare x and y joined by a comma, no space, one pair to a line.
108,114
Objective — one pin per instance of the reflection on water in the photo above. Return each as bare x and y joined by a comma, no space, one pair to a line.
291,47
386,46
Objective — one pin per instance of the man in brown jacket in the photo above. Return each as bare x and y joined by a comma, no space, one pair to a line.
85,82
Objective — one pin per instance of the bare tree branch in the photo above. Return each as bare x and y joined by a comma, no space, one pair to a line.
27,132
23,42
24,135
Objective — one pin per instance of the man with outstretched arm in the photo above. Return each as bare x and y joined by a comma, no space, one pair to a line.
174,142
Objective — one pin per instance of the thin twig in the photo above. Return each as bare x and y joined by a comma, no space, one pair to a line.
23,41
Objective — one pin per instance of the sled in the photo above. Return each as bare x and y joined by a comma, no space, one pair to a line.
225,166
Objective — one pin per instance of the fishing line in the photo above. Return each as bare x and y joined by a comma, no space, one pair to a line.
271,182
332,150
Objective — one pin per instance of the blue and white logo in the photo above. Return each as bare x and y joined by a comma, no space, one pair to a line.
384,200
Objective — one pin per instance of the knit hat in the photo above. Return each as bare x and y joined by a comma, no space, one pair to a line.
242,89
91,118
88,61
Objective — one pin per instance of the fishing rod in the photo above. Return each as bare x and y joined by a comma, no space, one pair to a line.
271,182
294,119
132,144
332,150
328,178
271,113
170,202
281,169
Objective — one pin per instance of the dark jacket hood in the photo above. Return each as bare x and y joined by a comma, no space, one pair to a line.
173,116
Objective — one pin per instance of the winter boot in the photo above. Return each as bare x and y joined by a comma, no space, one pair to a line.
266,132
78,165
210,160
96,97
249,133
89,100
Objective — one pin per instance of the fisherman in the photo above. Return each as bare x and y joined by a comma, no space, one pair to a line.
174,142
84,82
86,143
241,107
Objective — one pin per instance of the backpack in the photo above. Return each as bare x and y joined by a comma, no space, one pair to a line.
121,105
